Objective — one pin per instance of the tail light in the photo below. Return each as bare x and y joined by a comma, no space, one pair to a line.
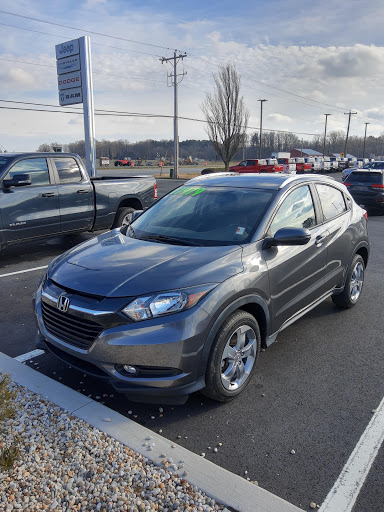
347,184
365,214
155,191
377,186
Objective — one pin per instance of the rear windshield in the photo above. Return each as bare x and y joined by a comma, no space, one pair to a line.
365,177
194,215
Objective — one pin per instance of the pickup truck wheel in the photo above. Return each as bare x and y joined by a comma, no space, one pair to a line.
233,357
116,164
123,217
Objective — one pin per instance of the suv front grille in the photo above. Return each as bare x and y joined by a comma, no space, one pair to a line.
70,328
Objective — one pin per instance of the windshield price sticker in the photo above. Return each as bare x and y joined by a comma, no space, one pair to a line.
188,191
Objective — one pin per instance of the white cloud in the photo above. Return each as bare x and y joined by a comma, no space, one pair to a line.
333,67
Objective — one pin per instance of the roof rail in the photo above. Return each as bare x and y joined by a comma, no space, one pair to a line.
310,176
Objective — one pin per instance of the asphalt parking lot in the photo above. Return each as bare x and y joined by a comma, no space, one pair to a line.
313,392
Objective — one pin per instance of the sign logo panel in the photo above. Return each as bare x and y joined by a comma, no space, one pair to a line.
69,80
71,96
68,65
67,49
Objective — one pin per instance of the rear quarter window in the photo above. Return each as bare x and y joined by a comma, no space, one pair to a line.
332,201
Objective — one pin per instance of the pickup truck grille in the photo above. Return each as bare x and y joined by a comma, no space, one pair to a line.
79,332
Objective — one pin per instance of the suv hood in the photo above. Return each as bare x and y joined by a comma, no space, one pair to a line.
113,265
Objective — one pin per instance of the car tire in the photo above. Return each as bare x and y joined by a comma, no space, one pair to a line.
228,373
123,215
353,284
116,164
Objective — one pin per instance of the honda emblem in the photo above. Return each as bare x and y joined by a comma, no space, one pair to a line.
63,303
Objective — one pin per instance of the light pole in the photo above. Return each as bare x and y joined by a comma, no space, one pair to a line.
349,114
365,138
325,132
261,125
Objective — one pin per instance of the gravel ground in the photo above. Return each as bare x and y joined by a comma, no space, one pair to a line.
65,464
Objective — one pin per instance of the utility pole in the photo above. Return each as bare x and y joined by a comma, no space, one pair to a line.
174,82
365,138
261,125
325,132
349,114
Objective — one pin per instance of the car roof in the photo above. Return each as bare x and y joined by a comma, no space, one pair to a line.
35,154
254,180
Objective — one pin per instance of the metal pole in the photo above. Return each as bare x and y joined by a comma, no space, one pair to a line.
88,106
349,122
325,132
175,126
365,138
261,125
175,111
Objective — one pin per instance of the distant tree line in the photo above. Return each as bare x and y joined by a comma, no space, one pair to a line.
203,149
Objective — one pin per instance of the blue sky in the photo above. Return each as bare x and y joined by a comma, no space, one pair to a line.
306,59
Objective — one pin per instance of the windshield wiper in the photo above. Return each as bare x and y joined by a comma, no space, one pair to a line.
170,239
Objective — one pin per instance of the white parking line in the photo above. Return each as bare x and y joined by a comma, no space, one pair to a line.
22,271
343,494
29,355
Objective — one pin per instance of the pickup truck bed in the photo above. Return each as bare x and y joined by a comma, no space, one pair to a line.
45,194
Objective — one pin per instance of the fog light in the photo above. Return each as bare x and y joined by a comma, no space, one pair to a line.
130,369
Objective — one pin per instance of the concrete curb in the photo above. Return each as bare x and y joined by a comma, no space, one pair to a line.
218,483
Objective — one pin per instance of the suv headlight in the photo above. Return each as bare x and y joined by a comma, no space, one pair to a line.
151,306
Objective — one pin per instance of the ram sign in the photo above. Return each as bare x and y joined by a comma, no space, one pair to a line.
71,96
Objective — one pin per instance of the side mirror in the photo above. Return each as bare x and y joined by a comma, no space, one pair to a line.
18,180
288,236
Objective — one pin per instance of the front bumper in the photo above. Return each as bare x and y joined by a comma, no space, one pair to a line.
165,350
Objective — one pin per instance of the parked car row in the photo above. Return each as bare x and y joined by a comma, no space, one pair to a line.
298,165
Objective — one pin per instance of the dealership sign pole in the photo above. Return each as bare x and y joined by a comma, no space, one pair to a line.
74,76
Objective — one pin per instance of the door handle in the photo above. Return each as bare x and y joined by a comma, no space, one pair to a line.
48,194
319,240
83,191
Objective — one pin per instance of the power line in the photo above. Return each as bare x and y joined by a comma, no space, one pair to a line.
93,72
84,30
117,113
93,43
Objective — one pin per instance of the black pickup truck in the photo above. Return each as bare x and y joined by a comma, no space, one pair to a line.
45,194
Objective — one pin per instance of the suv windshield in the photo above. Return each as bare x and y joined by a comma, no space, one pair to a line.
209,216
365,177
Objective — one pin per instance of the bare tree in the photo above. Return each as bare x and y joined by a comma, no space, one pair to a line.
226,114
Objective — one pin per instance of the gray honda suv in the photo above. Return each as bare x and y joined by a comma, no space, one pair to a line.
183,298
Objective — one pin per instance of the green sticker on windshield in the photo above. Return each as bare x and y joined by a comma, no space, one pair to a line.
188,191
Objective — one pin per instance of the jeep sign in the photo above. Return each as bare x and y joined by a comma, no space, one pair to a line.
67,49
71,96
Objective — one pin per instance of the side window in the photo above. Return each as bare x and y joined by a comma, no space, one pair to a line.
68,170
332,201
37,169
297,211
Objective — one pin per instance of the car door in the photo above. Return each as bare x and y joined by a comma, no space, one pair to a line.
296,273
75,195
31,210
336,218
